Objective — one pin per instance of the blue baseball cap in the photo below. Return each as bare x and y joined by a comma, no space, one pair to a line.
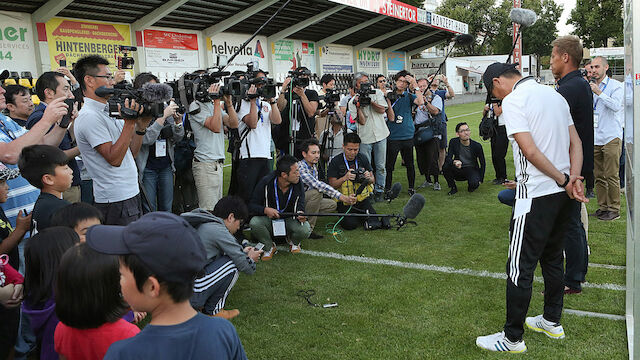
165,243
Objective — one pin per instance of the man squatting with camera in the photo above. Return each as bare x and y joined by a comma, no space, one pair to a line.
109,145
548,160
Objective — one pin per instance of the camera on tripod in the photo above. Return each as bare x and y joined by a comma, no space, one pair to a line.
300,77
364,93
125,61
330,98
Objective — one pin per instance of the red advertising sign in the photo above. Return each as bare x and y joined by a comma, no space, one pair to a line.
393,8
87,30
170,40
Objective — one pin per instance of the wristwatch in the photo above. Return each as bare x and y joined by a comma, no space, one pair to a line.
566,181
141,133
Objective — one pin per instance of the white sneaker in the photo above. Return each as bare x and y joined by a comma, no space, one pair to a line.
498,342
436,187
269,254
425,184
541,325
294,248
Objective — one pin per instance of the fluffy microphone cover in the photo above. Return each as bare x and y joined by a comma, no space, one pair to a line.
524,17
463,39
414,206
157,92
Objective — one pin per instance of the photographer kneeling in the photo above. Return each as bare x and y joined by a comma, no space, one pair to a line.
352,174
156,156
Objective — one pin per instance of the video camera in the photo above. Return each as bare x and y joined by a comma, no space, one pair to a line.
238,86
151,96
195,86
366,89
330,97
297,78
125,61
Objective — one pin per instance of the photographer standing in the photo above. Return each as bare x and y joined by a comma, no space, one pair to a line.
401,128
329,123
499,143
109,145
256,116
429,115
369,106
305,104
209,154
156,156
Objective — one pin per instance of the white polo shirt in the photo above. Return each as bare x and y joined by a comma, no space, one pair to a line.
258,140
543,112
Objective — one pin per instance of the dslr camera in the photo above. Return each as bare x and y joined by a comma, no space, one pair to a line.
364,93
360,178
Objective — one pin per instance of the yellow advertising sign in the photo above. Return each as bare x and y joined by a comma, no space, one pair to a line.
70,40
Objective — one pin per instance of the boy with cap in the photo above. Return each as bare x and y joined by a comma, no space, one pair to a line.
160,256
547,153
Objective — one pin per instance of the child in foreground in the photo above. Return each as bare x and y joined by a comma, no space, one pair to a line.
78,216
89,305
160,256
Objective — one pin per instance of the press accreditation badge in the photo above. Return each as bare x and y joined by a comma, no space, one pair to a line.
596,118
279,228
161,148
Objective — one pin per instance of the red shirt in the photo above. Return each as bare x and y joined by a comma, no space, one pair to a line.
91,344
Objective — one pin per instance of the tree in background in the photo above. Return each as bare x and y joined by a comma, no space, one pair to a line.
480,15
595,21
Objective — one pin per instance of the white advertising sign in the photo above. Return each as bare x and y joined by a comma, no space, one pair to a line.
446,23
336,59
17,52
290,54
370,61
228,43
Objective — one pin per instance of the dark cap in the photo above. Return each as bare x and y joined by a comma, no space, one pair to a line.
494,71
165,243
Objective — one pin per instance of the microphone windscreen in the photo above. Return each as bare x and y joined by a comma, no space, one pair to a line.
104,91
156,93
524,17
395,190
4,75
464,39
414,206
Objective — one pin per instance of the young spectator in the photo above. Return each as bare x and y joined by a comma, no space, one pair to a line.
89,305
52,85
79,217
465,160
156,156
19,103
45,167
9,240
160,256
42,257
281,191
225,256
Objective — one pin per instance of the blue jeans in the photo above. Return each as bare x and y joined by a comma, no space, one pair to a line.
380,150
158,187
507,196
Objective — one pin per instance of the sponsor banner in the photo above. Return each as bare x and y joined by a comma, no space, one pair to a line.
445,23
370,61
227,44
336,59
72,39
422,68
171,49
395,62
392,8
290,54
422,16
17,52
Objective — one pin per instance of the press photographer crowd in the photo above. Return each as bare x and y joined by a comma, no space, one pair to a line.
115,212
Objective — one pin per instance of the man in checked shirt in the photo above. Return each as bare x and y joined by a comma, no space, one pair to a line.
314,188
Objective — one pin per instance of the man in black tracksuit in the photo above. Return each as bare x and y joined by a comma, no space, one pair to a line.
464,161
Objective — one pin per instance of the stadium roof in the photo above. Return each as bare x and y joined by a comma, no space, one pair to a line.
322,21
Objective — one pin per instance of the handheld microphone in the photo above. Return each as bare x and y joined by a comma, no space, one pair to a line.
414,206
157,93
523,17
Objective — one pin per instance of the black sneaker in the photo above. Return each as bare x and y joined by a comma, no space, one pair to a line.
498,181
590,194
411,192
315,236
598,213
453,191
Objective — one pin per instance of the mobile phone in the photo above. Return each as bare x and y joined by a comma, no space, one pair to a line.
63,62
66,119
259,246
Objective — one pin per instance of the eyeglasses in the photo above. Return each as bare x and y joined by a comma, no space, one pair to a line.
108,77
465,130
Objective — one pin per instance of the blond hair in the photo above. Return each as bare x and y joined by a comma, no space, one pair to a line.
569,44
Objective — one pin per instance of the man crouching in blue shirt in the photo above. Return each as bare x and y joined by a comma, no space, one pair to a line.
160,256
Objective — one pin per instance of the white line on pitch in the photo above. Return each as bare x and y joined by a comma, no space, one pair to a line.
594,314
607,266
442,269
463,115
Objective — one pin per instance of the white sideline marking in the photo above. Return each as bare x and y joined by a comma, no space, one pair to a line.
607,266
442,269
463,115
594,314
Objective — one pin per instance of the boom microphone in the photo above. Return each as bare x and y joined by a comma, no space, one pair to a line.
463,39
414,206
523,17
394,192
157,93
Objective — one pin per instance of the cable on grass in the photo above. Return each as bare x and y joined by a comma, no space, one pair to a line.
337,234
